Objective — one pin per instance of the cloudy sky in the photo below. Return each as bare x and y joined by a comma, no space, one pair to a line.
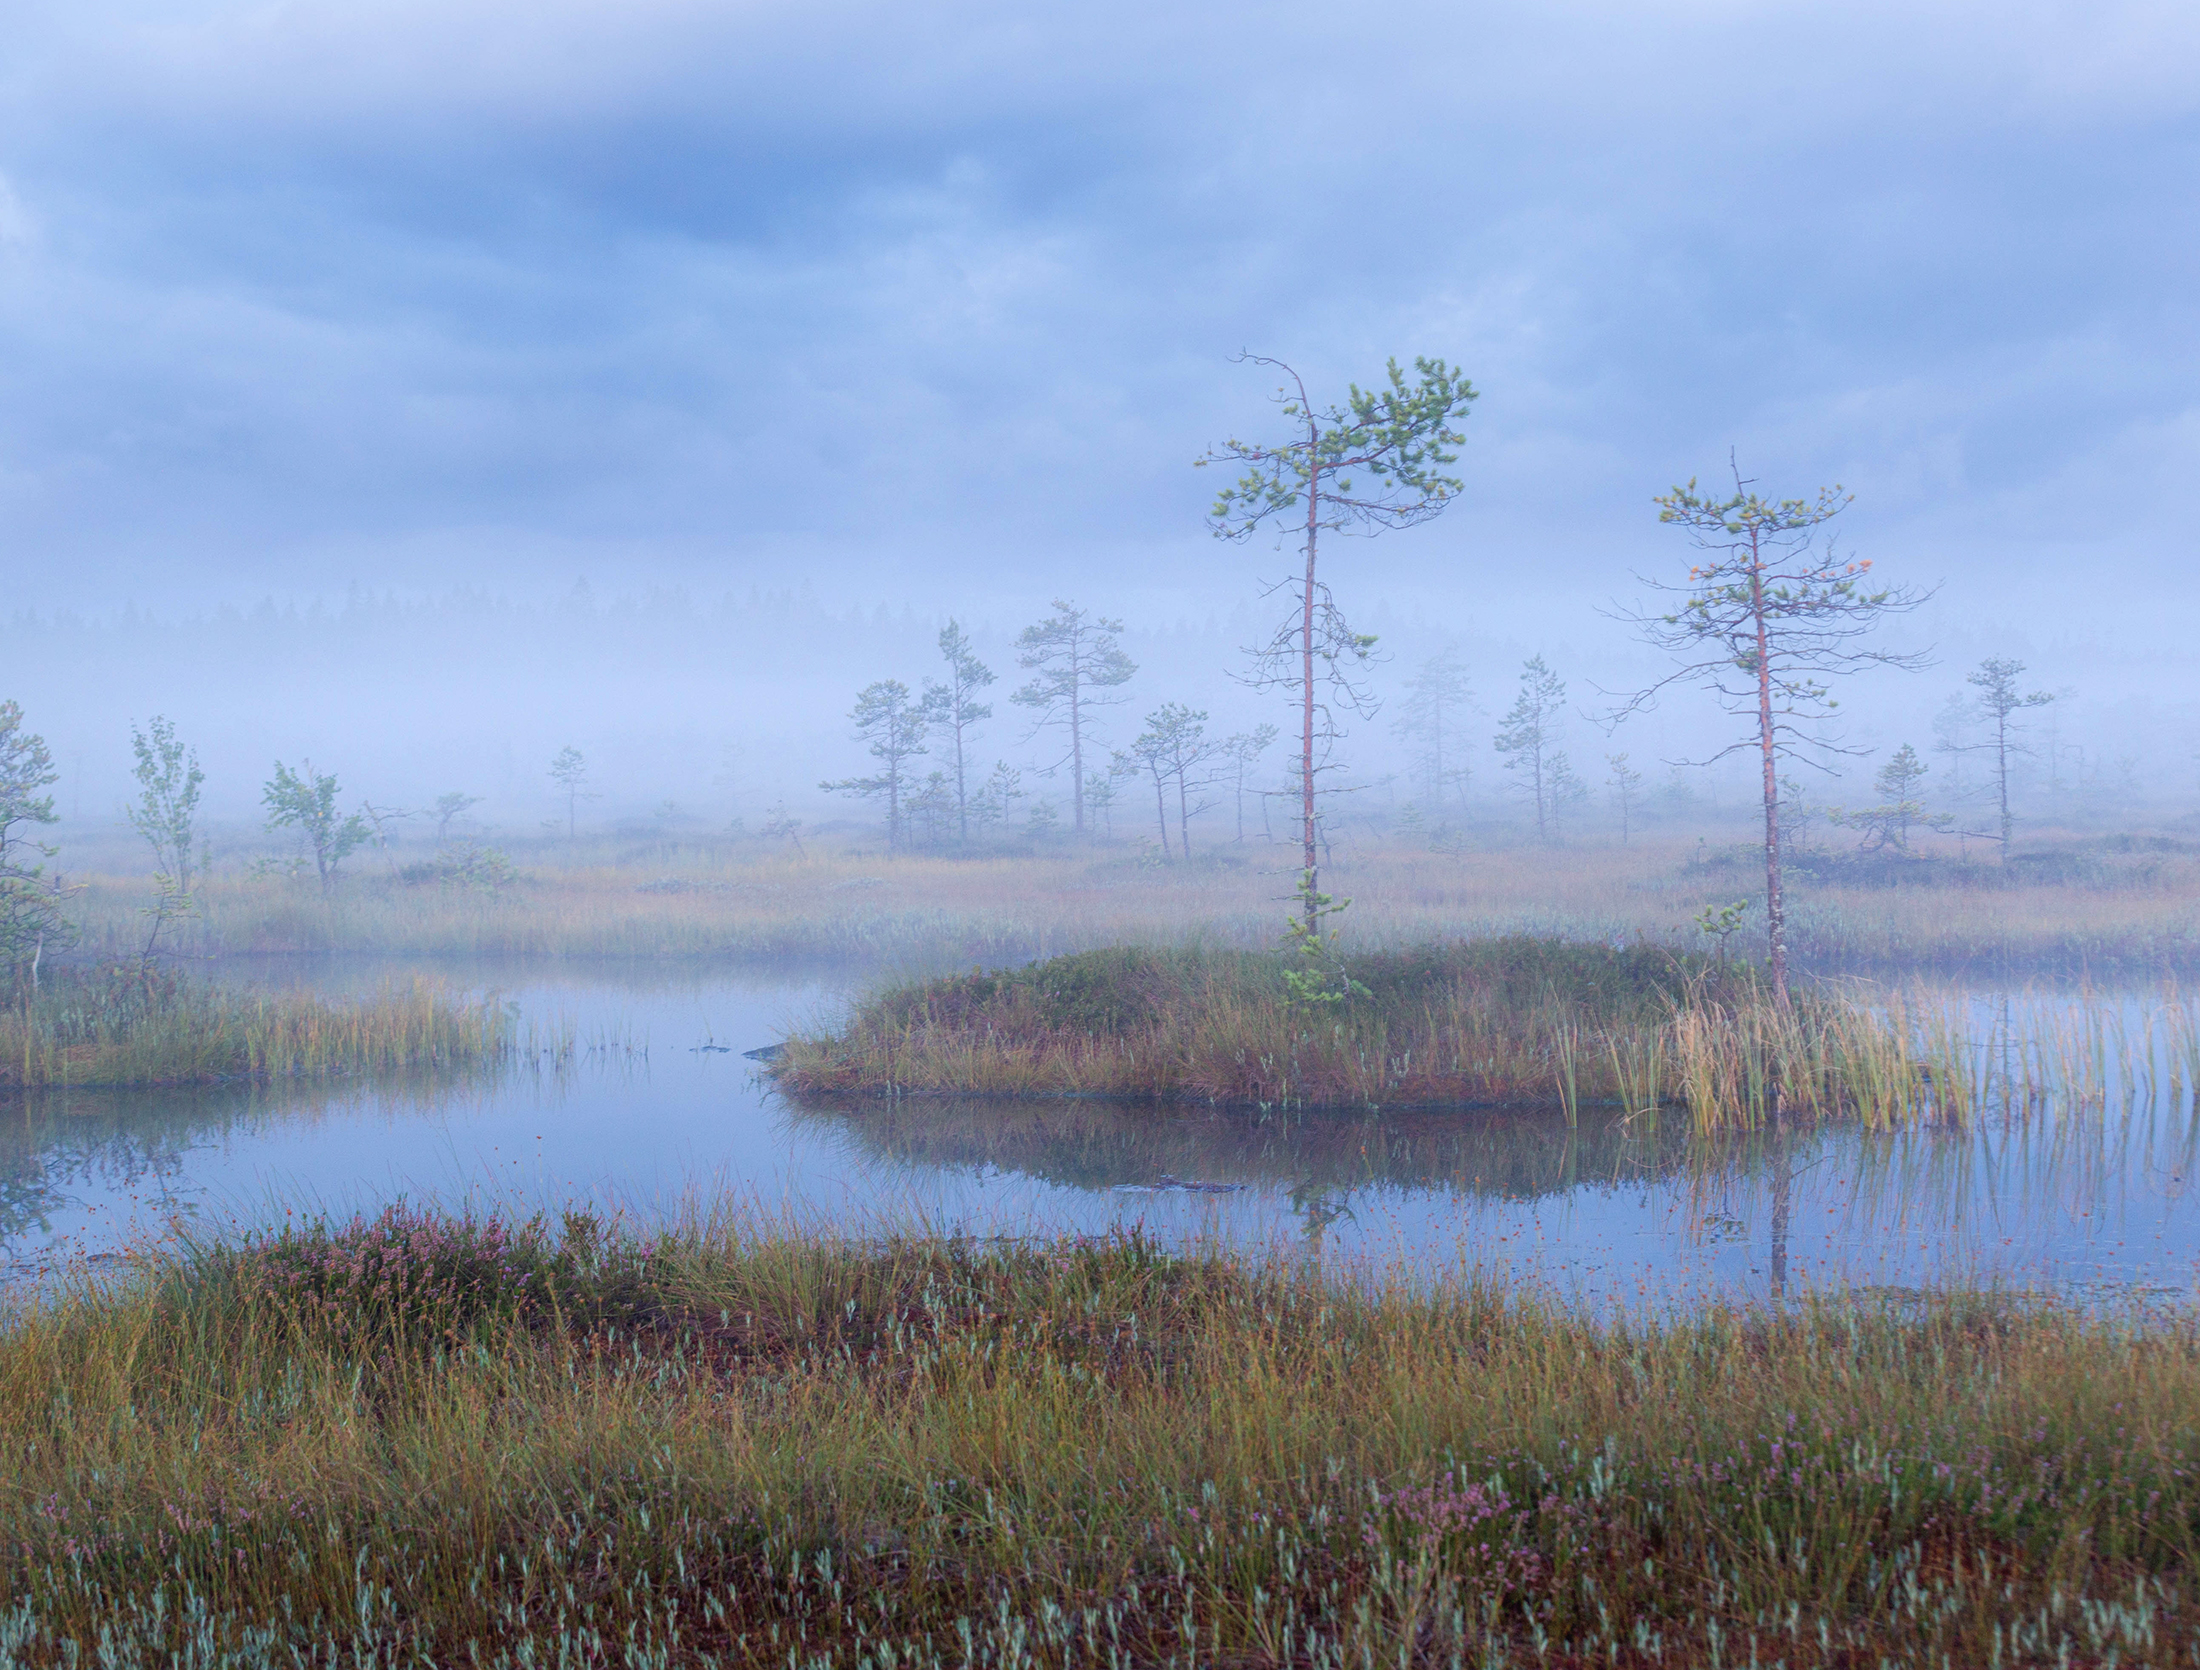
920,301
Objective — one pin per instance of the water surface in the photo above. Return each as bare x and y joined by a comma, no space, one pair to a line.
659,1112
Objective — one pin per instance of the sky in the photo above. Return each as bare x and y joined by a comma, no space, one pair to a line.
935,306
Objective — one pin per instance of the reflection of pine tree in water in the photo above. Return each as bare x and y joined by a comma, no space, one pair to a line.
1323,1164
1317,1206
1783,1186
59,1143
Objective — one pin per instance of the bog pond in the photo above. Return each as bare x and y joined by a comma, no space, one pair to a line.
656,1111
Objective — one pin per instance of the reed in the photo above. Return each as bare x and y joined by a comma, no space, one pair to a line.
129,1026
423,1440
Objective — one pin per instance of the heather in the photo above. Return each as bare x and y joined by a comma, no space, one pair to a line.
418,1438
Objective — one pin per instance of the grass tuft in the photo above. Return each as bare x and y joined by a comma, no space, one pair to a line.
131,1026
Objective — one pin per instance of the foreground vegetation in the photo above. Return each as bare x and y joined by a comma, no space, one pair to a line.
2105,913
430,1440
136,1026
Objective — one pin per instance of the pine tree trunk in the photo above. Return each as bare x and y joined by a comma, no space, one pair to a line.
1306,647
1768,741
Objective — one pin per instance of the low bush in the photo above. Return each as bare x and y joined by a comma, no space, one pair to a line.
408,1275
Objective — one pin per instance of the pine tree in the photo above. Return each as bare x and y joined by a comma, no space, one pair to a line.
1396,440
1173,751
1432,716
960,709
570,772
893,724
1764,617
1902,809
31,922
1528,737
2000,704
305,800
1626,786
165,816
1076,660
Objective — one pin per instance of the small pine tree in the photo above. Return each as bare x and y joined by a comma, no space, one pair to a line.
1432,717
165,815
1626,785
894,724
1528,738
570,772
30,910
1076,661
2000,704
960,710
1888,826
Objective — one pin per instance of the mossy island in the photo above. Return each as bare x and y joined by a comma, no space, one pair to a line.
1500,1021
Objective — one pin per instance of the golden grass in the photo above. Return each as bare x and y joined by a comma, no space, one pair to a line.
928,910
128,1026
430,1441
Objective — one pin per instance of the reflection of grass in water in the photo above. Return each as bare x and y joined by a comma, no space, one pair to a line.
1964,1186
1101,1145
2138,919
122,1026
436,1440
2020,1173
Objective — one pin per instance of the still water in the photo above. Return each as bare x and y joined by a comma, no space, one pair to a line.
660,1113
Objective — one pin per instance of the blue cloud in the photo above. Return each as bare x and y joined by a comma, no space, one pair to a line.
939,300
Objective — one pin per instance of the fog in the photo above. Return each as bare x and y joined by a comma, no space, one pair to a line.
424,390
694,712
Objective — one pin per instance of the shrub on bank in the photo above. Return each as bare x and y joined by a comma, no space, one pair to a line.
408,1275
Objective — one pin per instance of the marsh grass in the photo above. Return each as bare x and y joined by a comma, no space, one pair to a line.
1513,1021
410,1440
1509,1021
134,1026
930,911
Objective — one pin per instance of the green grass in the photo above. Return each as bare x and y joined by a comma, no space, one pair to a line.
424,1440
130,1026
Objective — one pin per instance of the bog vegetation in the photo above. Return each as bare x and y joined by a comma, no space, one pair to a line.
129,1025
2101,908
418,1439
1504,1021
